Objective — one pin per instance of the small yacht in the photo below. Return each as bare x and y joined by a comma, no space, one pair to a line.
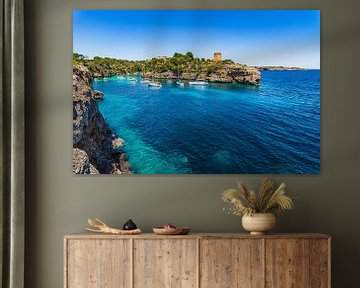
199,83
178,80
154,84
131,78
145,81
180,83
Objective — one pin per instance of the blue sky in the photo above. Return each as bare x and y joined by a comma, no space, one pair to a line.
253,37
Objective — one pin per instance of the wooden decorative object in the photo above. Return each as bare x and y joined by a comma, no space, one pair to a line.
197,261
171,231
101,227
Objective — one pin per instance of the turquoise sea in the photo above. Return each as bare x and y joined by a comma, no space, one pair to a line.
273,128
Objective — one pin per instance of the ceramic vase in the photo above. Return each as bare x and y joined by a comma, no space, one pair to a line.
259,223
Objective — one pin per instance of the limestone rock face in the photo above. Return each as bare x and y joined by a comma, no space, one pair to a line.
81,163
235,73
92,137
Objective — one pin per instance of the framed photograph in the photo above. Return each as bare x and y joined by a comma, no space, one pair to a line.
196,92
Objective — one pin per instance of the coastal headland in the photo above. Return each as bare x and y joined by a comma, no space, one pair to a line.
179,66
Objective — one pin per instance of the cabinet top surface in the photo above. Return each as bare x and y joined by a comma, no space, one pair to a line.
87,235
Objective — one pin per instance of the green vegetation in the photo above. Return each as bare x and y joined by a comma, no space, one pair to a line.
178,63
78,58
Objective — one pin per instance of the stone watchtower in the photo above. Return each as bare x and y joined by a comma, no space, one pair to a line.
217,56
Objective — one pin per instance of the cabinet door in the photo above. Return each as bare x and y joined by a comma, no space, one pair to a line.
98,263
231,263
288,263
166,263
320,263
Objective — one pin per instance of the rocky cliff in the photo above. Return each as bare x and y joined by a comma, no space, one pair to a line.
228,73
93,148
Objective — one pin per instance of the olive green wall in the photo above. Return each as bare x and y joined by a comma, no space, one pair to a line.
59,202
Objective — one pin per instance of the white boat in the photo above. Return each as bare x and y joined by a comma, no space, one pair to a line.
131,79
178,80
155,84
198,83
180,83
145,81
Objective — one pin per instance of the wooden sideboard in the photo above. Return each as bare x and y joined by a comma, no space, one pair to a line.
197,260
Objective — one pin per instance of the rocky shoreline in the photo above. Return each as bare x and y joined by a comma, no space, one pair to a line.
229,73
280,68
183,66
96,150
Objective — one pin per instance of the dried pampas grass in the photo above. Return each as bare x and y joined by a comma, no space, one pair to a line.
267,200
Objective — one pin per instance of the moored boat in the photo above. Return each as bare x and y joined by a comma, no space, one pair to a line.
154,84
180,83
199,83
145,81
